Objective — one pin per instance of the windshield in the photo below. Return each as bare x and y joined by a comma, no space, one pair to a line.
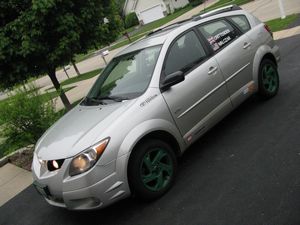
125,77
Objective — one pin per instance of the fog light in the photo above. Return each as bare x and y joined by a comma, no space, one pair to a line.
54,164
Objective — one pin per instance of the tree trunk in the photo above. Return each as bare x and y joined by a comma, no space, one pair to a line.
75,67
62,95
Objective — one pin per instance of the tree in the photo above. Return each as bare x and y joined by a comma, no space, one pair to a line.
37,36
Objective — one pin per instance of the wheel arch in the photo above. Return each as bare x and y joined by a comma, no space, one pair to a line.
264,52
156,128
163,136
271,57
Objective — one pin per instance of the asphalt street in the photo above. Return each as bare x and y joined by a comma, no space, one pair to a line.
246,170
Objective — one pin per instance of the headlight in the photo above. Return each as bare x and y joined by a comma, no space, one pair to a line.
87,159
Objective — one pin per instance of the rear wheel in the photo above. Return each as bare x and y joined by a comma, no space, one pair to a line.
151,170
268,79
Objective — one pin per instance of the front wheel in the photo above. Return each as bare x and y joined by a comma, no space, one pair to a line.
151,170
268,79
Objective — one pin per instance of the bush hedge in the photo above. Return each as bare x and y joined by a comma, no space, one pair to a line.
195,2
131,20
25,118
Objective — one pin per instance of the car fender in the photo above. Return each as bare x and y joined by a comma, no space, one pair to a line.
141,130
260,53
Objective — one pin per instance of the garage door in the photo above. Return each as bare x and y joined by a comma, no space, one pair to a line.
152,14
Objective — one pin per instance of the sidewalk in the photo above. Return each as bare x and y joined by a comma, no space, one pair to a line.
13,180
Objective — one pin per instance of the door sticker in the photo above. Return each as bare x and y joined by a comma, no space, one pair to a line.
220,39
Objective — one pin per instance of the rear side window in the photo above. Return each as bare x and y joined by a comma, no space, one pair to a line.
218,33
241,22
184,54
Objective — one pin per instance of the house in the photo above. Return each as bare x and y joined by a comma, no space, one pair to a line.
151,10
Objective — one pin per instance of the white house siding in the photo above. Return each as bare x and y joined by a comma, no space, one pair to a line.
129,7
175,4
179,3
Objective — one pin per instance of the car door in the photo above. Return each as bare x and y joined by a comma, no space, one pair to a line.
234,54
202,96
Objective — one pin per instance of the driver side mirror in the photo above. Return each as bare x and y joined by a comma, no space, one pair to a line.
172,79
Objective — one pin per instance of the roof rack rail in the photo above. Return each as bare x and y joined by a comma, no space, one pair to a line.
216,11
196,18
173,25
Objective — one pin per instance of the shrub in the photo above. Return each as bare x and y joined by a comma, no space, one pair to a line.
25,117
131,20
195,2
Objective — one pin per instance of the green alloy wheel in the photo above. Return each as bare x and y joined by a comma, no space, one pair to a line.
268,79
152,168
156,169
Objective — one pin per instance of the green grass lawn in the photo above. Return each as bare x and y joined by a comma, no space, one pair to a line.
281,24
126,42
83,76
81,57
2,104
53,94
222,3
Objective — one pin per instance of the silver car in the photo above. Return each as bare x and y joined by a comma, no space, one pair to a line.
151,102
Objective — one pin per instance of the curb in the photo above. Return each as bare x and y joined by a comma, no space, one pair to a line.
6,159
3,161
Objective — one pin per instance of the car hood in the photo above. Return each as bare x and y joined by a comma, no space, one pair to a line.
78,129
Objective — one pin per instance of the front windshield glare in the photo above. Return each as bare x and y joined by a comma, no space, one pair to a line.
125,77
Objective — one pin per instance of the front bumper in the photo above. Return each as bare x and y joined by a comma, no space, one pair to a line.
96,188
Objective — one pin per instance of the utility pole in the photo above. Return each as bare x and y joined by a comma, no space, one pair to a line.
282,13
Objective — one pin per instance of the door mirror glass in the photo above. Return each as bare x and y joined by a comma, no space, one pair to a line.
172,79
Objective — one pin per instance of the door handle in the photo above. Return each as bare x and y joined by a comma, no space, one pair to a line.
246,45
212,70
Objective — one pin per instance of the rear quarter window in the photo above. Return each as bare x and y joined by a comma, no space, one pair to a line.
241,22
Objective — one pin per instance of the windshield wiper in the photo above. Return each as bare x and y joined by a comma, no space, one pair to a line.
111,97
93,101
99,100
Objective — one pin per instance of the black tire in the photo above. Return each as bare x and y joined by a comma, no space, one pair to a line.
268,79
146,152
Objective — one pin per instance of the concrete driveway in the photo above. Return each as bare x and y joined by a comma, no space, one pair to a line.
269,9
